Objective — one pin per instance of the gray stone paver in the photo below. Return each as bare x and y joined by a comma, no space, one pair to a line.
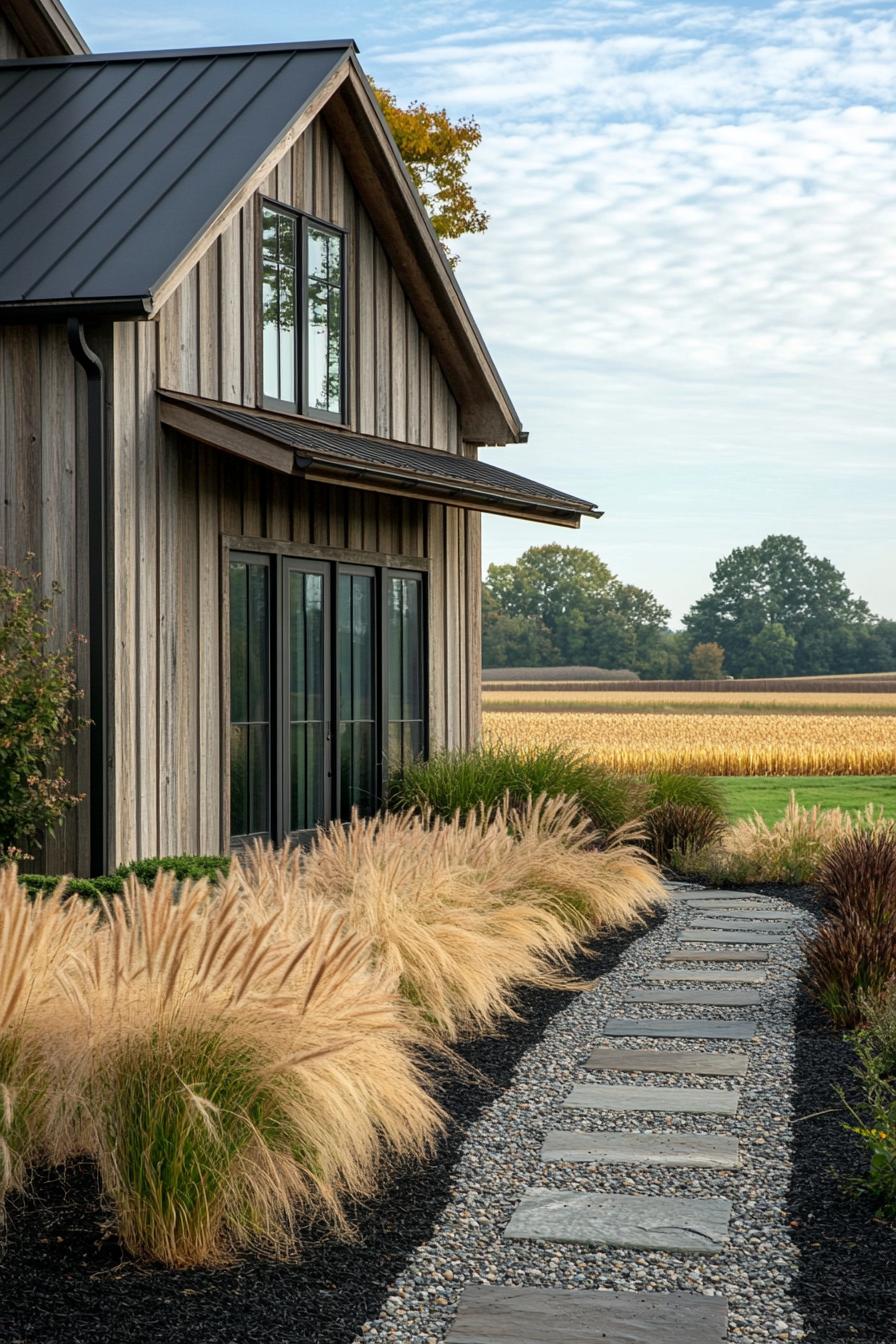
710,998
711,1064
490,1315
666,1100
681,1028
642,1222
718,1151
718,973
700,935
746,917
713,955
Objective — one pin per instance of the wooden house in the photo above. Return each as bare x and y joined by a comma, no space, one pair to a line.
242,399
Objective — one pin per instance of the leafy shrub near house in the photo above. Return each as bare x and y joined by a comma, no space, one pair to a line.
38,714
182,866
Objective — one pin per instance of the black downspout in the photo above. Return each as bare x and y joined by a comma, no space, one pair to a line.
92,365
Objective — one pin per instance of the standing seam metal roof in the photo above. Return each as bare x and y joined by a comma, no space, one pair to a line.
112,166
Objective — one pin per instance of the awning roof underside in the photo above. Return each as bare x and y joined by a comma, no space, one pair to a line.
315,452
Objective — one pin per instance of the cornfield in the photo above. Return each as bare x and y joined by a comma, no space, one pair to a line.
712,744
671,702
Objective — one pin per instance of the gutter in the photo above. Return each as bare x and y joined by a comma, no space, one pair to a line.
92,365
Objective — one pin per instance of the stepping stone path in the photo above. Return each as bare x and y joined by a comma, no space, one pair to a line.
668,1100
669,1061
681,1028
644,1222
640,1150
699,977
495,1314
717,998
489,1315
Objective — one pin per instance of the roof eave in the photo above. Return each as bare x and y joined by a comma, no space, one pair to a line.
57,310
45,28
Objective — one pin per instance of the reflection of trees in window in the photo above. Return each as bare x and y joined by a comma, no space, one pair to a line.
278,270
324,319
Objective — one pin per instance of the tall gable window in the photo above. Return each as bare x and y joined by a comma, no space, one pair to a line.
303,315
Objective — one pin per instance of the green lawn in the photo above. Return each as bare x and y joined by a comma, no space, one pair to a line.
769,794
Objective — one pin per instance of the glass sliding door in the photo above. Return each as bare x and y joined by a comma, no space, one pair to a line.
356,690
306,640
250,697
406,701
327,689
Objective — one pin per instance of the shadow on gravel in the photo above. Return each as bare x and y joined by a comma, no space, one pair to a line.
846,1288
63,1280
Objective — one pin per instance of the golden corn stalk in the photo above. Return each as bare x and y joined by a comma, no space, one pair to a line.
711,744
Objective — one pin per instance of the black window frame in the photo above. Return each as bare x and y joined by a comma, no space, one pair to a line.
301,405
281,563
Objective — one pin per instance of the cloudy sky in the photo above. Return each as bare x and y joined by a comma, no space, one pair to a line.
689,281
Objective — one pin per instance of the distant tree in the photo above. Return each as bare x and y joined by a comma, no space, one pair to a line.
771,653
514,641
436,151
706,661
592,619
778,583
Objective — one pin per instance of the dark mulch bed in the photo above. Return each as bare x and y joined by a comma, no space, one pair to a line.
846,1289
64,1278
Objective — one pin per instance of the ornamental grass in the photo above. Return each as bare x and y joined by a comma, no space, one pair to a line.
790,850
426,898
236,1086
40,944
462,913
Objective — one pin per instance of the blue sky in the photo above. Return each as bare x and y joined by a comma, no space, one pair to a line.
689,281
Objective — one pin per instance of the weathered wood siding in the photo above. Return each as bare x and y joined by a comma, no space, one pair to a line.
43,470
11,46
173,500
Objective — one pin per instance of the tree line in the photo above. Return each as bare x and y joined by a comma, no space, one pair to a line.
773,610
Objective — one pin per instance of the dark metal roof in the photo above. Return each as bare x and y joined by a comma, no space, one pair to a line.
112,166
427,473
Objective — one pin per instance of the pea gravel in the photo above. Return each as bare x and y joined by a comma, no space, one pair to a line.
500,1158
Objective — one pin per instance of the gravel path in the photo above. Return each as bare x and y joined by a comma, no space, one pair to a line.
501,1158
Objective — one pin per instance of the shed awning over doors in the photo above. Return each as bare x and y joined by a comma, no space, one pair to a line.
315,452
